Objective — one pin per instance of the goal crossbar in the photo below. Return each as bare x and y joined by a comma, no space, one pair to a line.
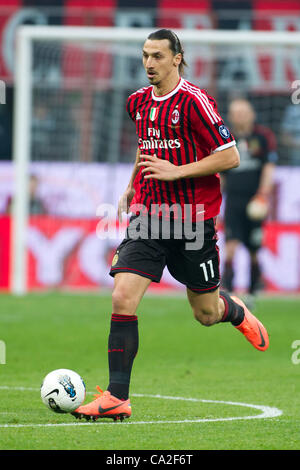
58,33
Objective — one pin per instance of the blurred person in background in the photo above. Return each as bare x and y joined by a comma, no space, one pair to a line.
290,135
36,205
248,189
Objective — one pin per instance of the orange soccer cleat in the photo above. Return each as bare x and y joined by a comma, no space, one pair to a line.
105,405
252,328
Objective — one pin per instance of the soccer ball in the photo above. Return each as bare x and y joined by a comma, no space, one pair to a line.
63,390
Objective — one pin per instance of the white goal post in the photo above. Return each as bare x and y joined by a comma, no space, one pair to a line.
26,37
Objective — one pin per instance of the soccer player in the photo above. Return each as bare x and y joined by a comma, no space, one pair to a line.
251,181
182,146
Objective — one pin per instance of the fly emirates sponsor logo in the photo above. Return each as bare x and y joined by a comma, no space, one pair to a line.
154,141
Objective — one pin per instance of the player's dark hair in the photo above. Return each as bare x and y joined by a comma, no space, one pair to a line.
174,42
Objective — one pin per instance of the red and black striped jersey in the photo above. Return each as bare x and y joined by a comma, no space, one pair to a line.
182,126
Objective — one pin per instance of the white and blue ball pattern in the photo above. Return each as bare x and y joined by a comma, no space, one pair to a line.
63,390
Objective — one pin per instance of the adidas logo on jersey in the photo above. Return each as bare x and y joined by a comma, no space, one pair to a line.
138,116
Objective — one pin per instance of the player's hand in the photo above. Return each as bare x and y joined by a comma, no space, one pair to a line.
125,201
258,207
159,169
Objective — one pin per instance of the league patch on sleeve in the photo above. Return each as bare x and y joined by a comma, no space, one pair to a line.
224,132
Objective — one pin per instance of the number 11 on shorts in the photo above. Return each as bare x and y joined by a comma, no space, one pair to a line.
205,270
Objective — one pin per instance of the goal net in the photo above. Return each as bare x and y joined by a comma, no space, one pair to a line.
74,143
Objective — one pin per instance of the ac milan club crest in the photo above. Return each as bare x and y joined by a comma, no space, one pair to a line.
175,116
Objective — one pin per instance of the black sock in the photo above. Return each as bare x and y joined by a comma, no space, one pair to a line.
122,349
227,278
233,313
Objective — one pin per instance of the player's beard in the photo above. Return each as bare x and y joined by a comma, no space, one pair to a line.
156,83
154,80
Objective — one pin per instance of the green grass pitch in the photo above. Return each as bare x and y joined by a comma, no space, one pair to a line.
177,358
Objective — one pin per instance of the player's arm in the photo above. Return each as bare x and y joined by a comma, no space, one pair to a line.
212,135
216,162
266,180
126,198
267,173
259,204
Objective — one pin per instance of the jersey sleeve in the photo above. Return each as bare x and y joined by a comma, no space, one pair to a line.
130,107
208,126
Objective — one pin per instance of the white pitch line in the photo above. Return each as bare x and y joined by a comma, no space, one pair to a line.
266,412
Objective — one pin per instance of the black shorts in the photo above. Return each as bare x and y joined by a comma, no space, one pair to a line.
197,269
238,226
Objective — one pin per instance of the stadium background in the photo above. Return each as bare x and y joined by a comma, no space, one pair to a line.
63,247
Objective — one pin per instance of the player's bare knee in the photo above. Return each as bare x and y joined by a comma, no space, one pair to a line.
207,320
122,301
207,317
